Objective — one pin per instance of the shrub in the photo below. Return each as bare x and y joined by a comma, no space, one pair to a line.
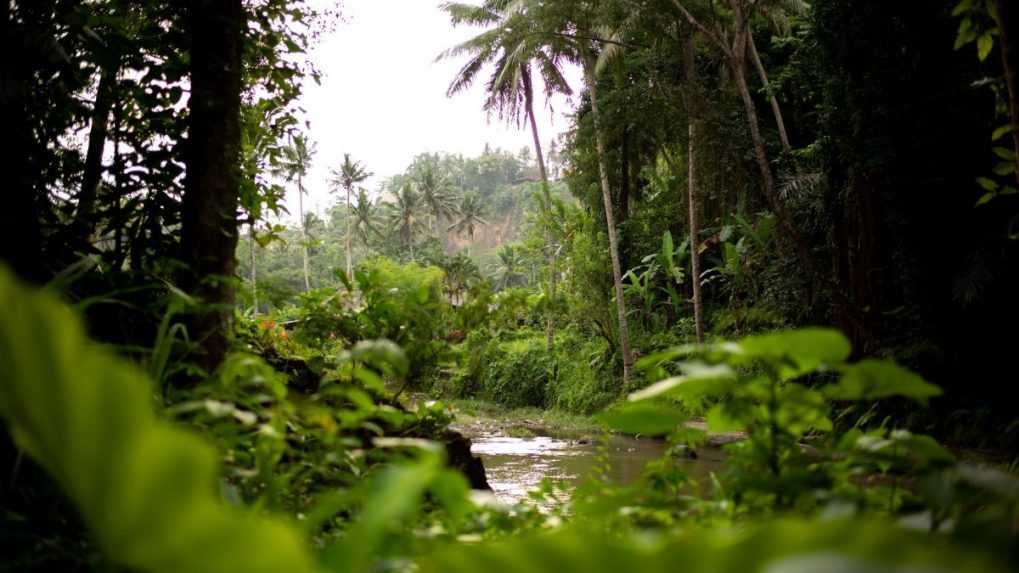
516,370
515,373
582,383
402,303
405,304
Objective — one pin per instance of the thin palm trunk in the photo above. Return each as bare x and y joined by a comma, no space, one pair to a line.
254,269
547,192
617,275
349,245
304,232
694,207
441,232
783,135
693,128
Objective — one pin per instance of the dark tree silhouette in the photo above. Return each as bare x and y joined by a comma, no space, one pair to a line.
209,229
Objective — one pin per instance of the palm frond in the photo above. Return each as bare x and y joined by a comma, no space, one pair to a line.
801,184
469,14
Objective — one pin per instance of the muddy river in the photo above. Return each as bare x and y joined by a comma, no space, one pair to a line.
515,466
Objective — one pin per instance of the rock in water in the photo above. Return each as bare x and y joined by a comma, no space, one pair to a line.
459,456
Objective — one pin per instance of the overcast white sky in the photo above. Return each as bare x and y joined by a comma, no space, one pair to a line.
383,96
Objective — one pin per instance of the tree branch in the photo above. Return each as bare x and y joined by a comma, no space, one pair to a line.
701,27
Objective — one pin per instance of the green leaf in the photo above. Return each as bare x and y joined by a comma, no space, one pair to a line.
984,45
452,491
719,421
645,418
1004,168
961,8
966,33
393,497
699,380
987,184
1001,132
655,359
1004,153
798,351
842,546
147,492
875,379
985,199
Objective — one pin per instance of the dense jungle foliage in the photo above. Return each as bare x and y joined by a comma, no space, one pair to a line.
785,232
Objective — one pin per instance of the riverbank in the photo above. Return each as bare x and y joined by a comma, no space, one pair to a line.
481,419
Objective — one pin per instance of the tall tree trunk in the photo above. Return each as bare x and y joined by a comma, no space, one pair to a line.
693,129
776,110
85,213
735,56
447,245
693,114
20,234
617,274
118,189
304,232
782,214
1007,26
209,210
624,177
547,193
349,244
254,267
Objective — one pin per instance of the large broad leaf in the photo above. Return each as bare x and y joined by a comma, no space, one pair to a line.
146,491
788,545
394,497
797,352
875,379
647,418
698,381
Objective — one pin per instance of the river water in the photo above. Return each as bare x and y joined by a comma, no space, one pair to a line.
515,466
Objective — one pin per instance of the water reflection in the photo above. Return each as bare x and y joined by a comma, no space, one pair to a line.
517,465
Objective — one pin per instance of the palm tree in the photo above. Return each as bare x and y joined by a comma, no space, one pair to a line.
254,267
461,271
351,173
293,167
509,266
470,216
366,217
403,215
510,45
438,195
694,111
610,219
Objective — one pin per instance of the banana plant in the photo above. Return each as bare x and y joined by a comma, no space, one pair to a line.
672,260
641,286
669,261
